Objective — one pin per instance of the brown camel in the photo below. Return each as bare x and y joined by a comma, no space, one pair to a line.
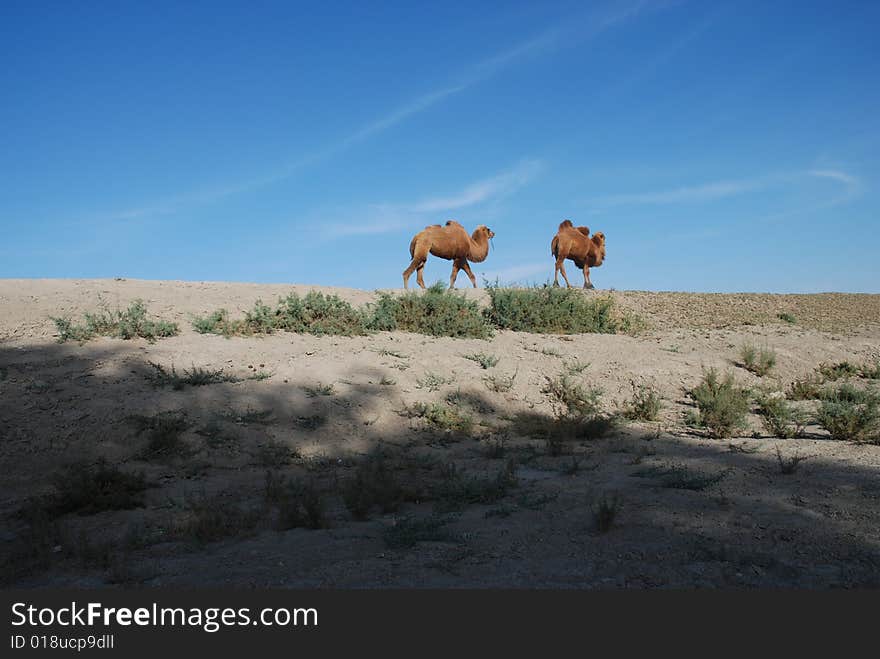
450,242
575,243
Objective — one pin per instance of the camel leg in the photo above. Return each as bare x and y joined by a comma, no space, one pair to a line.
456,266
560,267
587,282
420,274
467,268
416,264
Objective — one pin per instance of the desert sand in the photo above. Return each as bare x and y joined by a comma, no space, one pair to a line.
61,403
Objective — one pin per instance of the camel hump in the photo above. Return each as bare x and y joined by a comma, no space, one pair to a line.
565,224
452,223
585,231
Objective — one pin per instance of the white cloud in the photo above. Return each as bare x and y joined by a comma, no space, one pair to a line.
384,218
723,189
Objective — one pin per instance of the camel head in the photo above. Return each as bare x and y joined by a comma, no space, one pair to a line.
483,229
480,243
599,241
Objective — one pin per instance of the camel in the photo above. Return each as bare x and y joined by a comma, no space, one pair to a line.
575,243
450,242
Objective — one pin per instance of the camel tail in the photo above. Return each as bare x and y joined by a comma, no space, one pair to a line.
412,247
554,246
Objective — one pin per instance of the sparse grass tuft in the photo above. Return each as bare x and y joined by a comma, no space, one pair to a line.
577,416
760,362
194,377
262,417
455,491
436,312
299,503
551,310
645,404
570,399
432,381
789,465
604,512
163,433
319,390
722,404
787,317
407,532
500,383
128,324
576,367
780,418
485,361
851,414
870,371
374,484
680,477
87,489
209,519
443,417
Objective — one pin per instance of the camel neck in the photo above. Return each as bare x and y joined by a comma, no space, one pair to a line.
479,248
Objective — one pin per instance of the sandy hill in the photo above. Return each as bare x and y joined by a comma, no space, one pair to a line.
470,487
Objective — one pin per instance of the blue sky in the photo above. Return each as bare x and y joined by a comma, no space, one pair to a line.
719,146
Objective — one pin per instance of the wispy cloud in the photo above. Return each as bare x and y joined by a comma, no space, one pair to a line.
497,186
387,217
573,31
722,189
688,194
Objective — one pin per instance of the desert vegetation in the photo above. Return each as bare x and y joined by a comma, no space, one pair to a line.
437,454
123,324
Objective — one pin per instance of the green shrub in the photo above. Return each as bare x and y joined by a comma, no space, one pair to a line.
128,324
549,309
217,322
443,417
374,484
319,314
760,362
436,312
787,317
500,383
89,489
408,531
832,372
722,404
806,388
315,313
299,503
645,404
194,377
780,418
850,414
455,490
485,361
870,371
571,399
